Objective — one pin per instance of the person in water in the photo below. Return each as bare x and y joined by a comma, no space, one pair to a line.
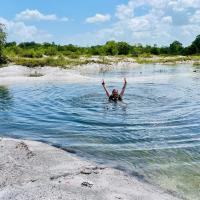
115,96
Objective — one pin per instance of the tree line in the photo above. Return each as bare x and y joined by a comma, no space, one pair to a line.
112,48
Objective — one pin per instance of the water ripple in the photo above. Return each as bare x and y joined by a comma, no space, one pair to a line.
154,132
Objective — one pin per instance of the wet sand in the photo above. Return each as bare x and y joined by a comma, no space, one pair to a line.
32,170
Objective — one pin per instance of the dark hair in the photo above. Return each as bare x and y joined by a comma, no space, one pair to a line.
114,90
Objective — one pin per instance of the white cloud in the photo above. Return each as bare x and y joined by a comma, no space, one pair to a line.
190,31
163,22
36,15
18,31
195,19
167,19
98,18
180,5
124,11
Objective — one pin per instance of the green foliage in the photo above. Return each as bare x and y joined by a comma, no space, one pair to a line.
123,48
35,54
60,61
194,48
164,51
95,50
51,51
30,53
166,60
29,62
110,48
176,48
155,50
11,44
73,56
2,44
146,55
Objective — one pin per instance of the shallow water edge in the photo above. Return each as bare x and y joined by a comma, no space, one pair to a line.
65,175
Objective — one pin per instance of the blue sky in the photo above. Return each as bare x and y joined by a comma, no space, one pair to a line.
95,22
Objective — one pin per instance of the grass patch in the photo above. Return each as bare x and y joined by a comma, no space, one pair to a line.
68,62
164,60
196,64
60,61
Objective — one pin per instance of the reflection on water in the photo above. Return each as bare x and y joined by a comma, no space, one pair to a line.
154,133
5,98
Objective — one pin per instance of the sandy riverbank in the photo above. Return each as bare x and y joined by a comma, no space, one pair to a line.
20,74
16,74
32,170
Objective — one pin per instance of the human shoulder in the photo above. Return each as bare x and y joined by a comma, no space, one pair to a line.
111,97
120,98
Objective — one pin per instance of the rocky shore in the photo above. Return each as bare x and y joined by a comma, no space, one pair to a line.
31,170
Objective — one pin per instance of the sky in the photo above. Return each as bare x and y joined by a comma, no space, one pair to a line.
92,22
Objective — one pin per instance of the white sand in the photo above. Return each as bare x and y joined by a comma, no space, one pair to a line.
20,74
32,171
15,74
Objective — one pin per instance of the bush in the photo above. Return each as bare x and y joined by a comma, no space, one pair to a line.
3,60
3,35
51,51
28,53
29,62
38,54
60,61
73,56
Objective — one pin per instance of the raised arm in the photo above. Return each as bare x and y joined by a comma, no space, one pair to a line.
124,87
104,86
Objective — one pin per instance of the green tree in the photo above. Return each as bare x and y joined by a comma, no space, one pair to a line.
11,44
155,50
147,49
2,43
123,48
194,48
190,50
164,50
175,48
110,48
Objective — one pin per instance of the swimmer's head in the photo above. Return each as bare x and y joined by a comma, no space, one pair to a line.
115,92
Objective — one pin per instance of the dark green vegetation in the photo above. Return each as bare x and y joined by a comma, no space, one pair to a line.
111,48
2,44
34,54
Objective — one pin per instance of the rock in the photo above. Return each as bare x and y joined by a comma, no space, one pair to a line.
87,184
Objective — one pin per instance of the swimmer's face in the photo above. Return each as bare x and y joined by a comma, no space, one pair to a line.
115,93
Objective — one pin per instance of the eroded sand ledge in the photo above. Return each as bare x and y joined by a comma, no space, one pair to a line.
32,170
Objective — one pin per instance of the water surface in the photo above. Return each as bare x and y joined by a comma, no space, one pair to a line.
154,133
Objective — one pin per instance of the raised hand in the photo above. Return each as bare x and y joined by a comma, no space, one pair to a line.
125,81
107,92
124,87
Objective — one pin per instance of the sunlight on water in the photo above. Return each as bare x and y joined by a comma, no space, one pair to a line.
153,134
